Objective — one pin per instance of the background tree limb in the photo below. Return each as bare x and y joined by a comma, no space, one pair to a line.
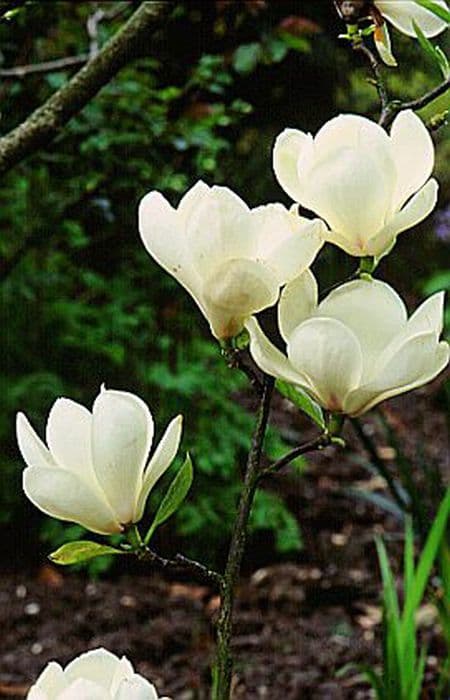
46,121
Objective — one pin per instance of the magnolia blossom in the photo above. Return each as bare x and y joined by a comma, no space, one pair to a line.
368,186
354,349
96,675
231,259
403,14
94,471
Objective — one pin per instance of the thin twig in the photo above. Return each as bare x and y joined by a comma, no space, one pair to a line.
182,562
237,359
46,122
44,67
378,75
319,443
397,106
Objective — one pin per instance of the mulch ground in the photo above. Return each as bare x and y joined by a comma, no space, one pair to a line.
297,622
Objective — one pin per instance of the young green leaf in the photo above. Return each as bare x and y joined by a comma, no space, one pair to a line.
434,52
174,496
80,551
436,9
301,399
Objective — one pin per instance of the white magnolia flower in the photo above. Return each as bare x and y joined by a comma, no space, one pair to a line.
403,14
94,471
366,185
354,349
96,675
231,259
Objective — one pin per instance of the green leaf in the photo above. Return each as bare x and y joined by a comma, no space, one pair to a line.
434,52
80,551
174,497
246,57
437,10
301,399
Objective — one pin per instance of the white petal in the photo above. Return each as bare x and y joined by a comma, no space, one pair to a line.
417,361
298,302
269,358
122,433
415,211
82,689
162,232
51,682
36,694
237,289
136,688
383,43
98,666
429,316
291,146
33,450
349,131
413,153
192,199
63,495
329,354
402,14
69,437
160,461
372,310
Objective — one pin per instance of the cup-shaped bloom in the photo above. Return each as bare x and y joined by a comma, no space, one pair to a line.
354,349
94,469
403,15
95,675
366,185
231,259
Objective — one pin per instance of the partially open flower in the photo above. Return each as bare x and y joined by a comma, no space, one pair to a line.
232,260
96,675
94,471
354,349
366,185
403,14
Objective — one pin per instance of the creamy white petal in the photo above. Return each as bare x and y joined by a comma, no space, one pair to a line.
413,153
329,354
372,310
122,433
51,681
402,14
269,358
68,436
191,199
82,689
298,251
163,235
160,461
290,147
136,688
98,666
382,40
36,694
417,361
415,211
33,450
349,131
429,316
298,302
63,495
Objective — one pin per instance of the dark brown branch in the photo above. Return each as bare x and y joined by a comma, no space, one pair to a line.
318,443
46,122
395,106
182,562
238,359
44,67
376,70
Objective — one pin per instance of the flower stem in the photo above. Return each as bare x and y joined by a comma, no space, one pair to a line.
223,667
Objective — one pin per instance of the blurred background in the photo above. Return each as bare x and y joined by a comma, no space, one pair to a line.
82,302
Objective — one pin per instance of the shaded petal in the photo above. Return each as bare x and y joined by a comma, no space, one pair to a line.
329,354
415,211
161,460
291,146
33,450
163,236
269,358
372,310
136,688
82,689
415,362
403,14
63,495
35,694
98,666
429,316
382,40
298,302
413,152
350,131
122,433
69,437
51,682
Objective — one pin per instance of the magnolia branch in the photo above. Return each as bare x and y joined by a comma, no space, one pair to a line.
318,443
182,562
44,67
46,122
